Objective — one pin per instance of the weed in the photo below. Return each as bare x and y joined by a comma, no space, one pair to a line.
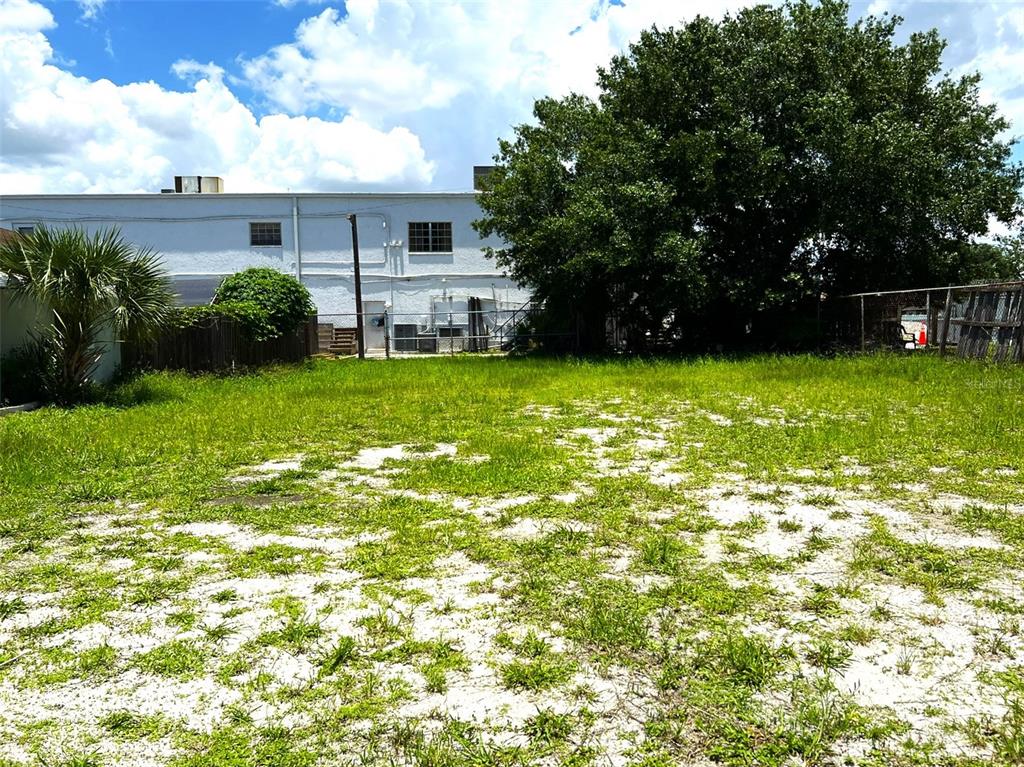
129,725
828,655
11,607
662,554
341,654
383,625
179,658
746,659
1008,740
856,633
821,601
821,500
905,661
547,727
218,632
539,673
297,633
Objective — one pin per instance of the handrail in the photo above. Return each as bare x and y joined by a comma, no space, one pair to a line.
525,304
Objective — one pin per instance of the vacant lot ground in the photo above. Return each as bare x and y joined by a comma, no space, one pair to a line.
498,562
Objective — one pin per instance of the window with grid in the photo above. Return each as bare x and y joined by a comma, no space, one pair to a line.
264,233
430,236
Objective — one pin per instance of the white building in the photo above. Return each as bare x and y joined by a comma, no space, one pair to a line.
421,260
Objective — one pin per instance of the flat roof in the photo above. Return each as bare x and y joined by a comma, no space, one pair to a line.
223,195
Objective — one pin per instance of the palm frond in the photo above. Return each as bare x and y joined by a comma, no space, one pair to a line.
87,282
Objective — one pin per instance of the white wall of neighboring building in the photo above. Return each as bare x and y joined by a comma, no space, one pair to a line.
17,319
204,237
21,317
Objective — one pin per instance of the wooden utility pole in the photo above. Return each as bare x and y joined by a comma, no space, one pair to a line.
359,286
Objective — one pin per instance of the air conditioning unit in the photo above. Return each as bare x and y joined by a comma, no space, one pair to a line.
198,184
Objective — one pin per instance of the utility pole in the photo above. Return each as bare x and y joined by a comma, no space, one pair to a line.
359,287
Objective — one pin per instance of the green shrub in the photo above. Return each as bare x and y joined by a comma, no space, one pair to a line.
32,372
251,316
19,376
284,300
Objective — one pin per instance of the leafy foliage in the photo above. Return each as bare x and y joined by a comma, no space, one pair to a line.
87,283
284,301
23,374
734,168
250,315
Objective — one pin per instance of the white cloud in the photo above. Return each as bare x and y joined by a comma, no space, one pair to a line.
458,74
63,133
91,8
390,57
24,17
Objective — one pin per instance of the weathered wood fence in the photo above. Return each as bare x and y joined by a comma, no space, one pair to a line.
992,324
220,344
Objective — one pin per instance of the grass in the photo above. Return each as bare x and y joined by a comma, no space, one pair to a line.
179,658
791,528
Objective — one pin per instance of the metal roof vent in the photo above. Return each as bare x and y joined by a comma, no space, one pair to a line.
481,174
198,184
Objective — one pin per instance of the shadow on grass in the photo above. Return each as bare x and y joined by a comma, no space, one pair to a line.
134,390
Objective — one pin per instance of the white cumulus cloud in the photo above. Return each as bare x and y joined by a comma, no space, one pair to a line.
383,58
457,74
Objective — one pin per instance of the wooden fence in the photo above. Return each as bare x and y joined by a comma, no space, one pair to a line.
992,324
220,344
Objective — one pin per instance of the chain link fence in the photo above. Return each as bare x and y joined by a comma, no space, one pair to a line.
979,321
475,328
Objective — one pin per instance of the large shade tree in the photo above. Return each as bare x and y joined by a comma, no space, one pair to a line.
733,168
88,285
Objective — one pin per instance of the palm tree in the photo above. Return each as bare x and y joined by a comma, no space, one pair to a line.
88,283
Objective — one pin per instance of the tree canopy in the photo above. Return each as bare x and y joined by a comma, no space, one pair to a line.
732,168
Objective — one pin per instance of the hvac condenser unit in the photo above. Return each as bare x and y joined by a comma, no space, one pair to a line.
198,184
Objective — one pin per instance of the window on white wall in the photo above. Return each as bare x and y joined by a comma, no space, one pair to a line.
430,236
24,228
265,234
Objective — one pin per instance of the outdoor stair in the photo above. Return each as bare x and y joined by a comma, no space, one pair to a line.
344,342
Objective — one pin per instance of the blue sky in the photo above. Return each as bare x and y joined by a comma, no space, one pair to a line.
132,40
119,95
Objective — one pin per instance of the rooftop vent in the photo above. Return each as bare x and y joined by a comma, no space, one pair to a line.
480,175
196,185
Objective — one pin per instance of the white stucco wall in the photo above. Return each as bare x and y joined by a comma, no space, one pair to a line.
17,318
20,317
207,236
